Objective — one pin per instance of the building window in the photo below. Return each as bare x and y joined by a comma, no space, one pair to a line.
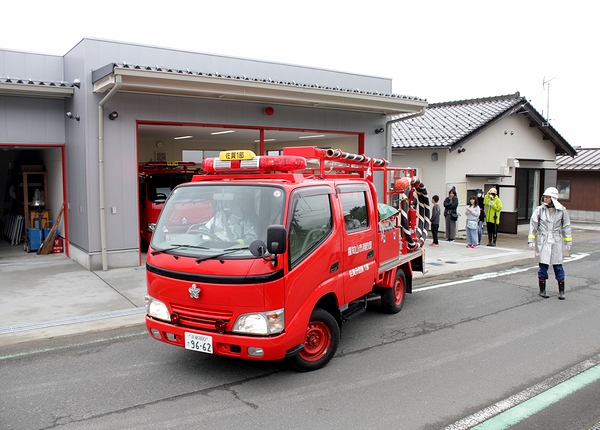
564,190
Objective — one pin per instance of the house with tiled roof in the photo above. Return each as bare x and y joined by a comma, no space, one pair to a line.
579,182
500,142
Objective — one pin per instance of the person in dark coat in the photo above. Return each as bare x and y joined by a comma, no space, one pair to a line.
451,215
481,214
435,220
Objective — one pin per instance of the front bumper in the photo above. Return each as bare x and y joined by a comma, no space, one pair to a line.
226,344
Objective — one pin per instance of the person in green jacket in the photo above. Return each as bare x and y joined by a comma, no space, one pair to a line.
493,207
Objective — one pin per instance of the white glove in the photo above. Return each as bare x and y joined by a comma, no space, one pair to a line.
568,247
491,203
531,245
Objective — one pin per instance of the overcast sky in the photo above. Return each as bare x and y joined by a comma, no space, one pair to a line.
438,50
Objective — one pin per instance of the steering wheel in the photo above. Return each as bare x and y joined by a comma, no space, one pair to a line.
200,229
160,196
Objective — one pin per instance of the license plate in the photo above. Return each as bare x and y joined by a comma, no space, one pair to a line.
198,342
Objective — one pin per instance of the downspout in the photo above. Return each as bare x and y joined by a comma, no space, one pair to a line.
388,137
108,96
388,143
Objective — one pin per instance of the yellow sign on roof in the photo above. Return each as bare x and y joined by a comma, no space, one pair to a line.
236,155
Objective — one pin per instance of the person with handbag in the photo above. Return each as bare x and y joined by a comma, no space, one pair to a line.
549,227
472,214
450,205
493,204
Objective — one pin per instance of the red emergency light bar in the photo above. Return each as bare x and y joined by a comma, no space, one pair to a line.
275,163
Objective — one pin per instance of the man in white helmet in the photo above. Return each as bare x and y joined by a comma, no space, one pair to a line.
549,227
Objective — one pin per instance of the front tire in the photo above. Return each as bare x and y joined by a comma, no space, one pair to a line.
322,340
392,299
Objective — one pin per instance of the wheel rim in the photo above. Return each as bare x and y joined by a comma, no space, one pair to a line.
399,290
318,340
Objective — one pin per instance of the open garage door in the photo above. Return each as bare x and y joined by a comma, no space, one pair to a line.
177,145
32,189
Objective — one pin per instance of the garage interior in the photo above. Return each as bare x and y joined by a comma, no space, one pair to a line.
32,182
32,192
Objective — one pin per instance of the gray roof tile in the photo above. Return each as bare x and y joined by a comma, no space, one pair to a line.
450,124
264,80
586,159
29,81
445,124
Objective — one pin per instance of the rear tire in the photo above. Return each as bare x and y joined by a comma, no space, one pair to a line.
392,299
322,340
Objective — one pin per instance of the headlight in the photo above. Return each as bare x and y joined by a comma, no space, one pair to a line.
157,309
150,227
265,323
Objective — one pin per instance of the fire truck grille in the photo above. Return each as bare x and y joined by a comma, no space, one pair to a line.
200,318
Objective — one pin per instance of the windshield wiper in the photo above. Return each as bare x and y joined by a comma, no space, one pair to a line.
225,252
177,246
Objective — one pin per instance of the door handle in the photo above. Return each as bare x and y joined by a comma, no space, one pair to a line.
334,267
370,254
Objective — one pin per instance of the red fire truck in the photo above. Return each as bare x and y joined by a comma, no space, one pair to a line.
264,257
156,180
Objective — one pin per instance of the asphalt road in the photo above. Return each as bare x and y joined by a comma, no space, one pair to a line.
457,348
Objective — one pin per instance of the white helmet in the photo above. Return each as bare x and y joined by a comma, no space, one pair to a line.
553,194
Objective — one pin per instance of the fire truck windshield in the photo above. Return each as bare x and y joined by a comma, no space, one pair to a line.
160,186
201,219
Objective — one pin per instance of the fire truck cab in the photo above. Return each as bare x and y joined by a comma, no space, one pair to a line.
264,257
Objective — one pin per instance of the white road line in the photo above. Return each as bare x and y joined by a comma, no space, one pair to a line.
512,401
489,275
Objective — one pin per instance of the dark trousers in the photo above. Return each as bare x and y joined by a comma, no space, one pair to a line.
559,272
434,231
492,229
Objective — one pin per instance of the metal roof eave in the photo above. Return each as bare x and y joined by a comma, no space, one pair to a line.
35,90
487,175
222,88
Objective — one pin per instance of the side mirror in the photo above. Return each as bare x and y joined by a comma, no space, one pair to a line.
276,239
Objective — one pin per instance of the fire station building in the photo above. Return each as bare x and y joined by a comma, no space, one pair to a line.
74,129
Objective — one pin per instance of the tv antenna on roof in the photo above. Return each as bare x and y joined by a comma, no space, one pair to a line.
546,85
